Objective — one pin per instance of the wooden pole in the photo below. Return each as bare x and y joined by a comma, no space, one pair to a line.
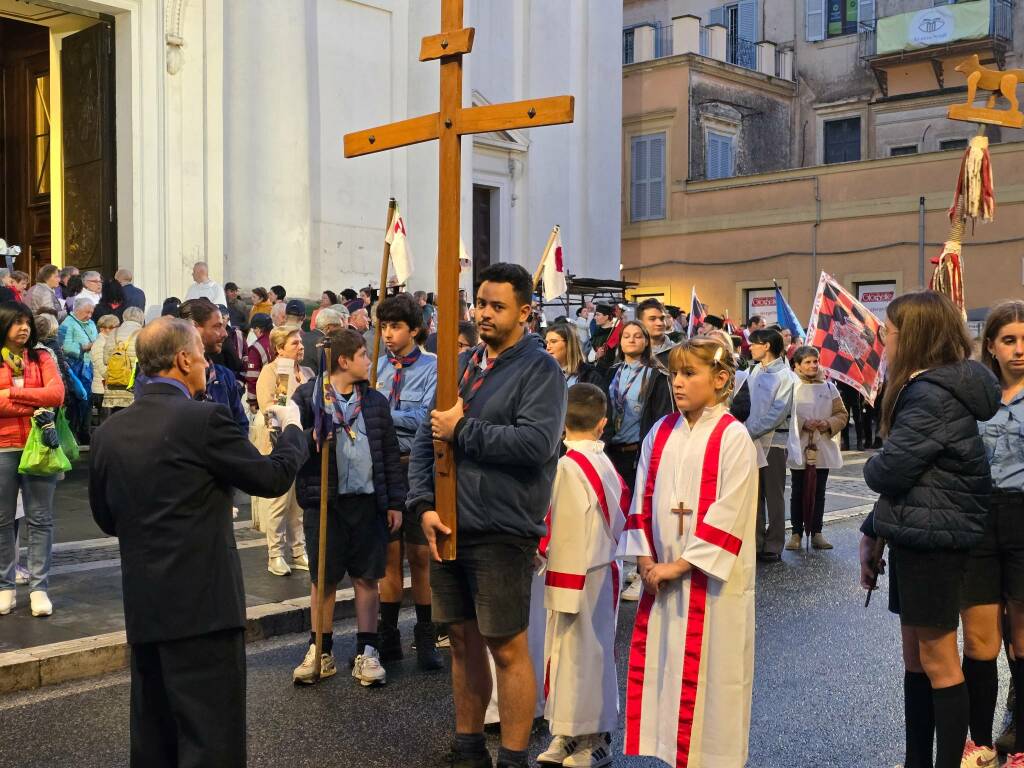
449,200
316,612
544,257
385,261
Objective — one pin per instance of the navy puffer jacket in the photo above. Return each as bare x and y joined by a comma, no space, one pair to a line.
388,473
932,472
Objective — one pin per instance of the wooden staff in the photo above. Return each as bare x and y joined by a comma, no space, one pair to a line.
316,612
544,257
385,261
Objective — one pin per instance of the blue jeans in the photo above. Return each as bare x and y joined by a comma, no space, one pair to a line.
37,495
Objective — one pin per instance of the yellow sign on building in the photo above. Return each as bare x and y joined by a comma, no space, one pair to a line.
933,26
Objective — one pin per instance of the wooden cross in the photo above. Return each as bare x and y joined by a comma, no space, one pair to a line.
448,126
682,512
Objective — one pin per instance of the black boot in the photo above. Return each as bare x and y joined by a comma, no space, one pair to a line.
390,644
426,646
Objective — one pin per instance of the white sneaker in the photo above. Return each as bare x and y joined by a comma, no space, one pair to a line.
7,601
279,567
633,591
300,563
305,673
559,749
41,605
368,670
592,752
20,575
443,640
977,756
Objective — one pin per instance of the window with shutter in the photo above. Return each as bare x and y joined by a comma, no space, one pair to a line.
866,12
748,33
842,140
719,163
717,15
815,20
647,177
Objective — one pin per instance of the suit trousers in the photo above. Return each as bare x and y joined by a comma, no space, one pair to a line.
771,502
188,702
284,525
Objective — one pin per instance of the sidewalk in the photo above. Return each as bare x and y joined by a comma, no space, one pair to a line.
85,635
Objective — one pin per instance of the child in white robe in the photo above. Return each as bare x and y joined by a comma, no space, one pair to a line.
588,512
692,529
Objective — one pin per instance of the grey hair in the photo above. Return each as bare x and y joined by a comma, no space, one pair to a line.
202,264
82,301
91,275
326,317
277,313
124,274
46,326
69,270
134,315
159,343
341,309
108,321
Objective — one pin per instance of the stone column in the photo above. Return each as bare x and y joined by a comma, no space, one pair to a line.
685,34
643,43
716,47
766,58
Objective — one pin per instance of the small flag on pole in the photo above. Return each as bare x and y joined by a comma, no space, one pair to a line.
554,270
847,336
401,256
697,315
786,317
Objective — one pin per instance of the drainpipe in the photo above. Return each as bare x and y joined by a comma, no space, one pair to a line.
814,232
920,243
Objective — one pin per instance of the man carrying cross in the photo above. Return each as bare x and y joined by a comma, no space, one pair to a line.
505,430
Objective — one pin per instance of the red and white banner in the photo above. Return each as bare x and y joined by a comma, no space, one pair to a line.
554,270
401,256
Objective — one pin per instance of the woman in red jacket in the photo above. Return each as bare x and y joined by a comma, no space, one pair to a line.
29,379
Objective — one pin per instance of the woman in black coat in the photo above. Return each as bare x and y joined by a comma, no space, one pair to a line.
933,478
563,344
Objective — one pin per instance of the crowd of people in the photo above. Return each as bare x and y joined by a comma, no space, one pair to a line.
582,445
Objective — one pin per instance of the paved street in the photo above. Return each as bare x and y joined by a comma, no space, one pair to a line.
828,683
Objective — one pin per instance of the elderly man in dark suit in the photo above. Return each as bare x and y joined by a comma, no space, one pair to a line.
161,479
328,320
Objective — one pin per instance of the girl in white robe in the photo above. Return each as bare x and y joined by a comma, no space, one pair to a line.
692,529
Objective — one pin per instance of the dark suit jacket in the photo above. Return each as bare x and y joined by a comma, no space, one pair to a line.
310,350
134,297
161,475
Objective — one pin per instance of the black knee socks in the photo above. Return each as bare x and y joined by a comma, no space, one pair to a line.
952,712
327,645
389,615
920,719
1017,671
982,679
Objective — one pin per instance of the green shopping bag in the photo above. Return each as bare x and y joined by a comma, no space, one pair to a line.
68,444
37,459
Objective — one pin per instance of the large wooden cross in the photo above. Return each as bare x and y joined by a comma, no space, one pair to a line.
448,126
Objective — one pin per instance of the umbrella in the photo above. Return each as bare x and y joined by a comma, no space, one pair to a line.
810,486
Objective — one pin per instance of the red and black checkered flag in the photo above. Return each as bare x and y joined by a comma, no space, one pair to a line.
846,334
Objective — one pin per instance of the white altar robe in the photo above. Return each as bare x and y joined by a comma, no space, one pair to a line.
588,511
691,662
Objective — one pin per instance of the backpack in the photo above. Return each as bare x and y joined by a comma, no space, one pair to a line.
120,371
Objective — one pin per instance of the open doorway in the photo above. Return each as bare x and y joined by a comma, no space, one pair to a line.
57,172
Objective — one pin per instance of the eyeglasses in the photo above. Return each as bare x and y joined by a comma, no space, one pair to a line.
463,346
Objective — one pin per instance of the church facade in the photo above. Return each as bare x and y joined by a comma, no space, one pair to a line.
173,131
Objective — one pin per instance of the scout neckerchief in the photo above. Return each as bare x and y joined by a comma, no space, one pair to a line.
620,395
336,406
474,365
16,362
399,363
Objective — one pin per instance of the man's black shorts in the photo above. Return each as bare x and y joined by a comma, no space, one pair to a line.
357,539
995,568
489,581
925,586
410,531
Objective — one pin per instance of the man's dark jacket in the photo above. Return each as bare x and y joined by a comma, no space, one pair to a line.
311,352
388,474
932,471
134,297
506,446
161,476
225,389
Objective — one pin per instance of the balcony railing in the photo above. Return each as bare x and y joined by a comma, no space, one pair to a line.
737,50
926,33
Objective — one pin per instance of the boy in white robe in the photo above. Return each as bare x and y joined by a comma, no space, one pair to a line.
588,512
692,529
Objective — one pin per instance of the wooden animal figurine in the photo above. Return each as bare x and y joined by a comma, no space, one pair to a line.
999,82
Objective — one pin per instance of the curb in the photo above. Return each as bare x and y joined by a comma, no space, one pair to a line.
86,657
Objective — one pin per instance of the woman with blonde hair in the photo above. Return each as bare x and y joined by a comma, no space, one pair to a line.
106,326
276,384
564,345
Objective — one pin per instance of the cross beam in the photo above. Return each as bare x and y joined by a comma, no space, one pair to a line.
448,126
